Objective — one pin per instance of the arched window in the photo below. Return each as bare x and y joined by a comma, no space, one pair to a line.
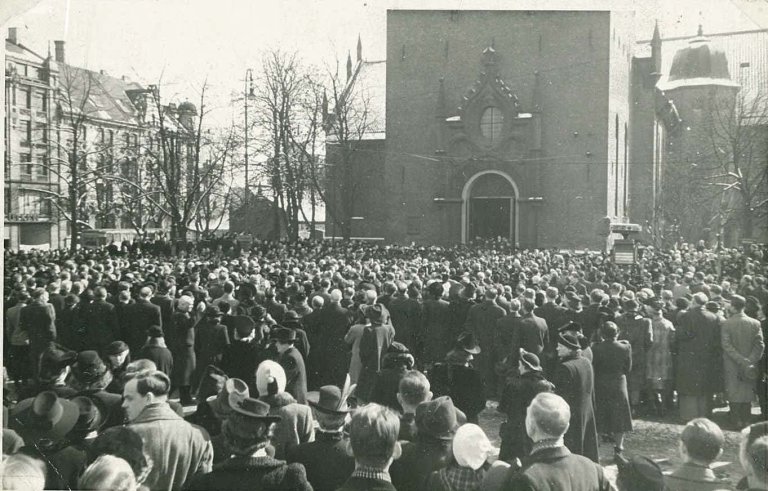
491,123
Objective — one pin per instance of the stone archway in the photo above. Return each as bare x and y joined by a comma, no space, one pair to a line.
489,207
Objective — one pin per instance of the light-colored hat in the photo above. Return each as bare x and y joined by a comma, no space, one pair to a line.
471,447
270,372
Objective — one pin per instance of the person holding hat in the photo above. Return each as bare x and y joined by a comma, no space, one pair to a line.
295,426
326,459
156,350
470,450
515,398
574,381
638,331
44,422
436,423
612,364
246,351
659,358
458,379
247,432
551,464
292,362
183,348
699,368
211,339
743,347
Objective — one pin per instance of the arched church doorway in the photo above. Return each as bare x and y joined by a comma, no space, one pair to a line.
489,207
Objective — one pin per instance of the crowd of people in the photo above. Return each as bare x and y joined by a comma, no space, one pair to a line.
348,365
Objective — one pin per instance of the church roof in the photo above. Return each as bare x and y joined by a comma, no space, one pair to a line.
699,63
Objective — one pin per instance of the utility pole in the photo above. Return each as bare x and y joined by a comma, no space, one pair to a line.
247,93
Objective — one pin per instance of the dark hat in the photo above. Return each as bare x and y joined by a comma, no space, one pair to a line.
569,340
213,311
243,325
155,332
283,335
467,342
640,473
656,304
609,329
712,306
291,315
253,408
258,312
115,348
436,289
89,367
374,312
530,360
90,418
631,305
233,390
570,326
606,313
54,359
328,400
437,418
45,417
212,382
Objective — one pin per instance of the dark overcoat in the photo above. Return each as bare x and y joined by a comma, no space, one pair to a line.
138,317
612,363
406,319
166,309
575,382
555,469
554,316
515,399
532,335
249,473
241,359
329,359
101,326
182,345
419,459
481,320
463,384
699,347
38,320
211,339
295,374
437,335
326,460
638,331
161,355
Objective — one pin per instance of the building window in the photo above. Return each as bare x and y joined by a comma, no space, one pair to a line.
27,94
26,165
491,123
41,132
42,164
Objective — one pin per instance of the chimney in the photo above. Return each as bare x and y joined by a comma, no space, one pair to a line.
60,51
13,35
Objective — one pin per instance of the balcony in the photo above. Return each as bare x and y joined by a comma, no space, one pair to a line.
28,217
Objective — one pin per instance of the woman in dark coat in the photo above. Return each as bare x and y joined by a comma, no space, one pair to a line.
182,347
246,437
612,363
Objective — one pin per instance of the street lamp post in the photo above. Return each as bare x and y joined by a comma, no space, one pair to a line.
247,92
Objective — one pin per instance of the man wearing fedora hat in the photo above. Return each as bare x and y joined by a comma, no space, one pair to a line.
326,459
211,339
456,377
436,424
292,362
638,330
574,381
247,433
515,398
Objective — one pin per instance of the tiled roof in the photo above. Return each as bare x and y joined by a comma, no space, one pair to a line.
98,95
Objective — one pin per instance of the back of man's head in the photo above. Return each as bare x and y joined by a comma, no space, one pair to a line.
373,435
336,295
548,416
414,389
318,302
155,382
145,292
552,293
703,440
528,305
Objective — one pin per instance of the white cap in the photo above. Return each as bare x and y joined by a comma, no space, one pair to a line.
471,447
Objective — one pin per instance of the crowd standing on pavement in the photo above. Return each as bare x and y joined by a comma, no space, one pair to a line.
349,365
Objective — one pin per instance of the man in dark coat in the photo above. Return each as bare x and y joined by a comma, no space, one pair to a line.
458,379
638,331
554,315
481,321
139,316
211,339
100,321
326,459
515,399
436,425
574,381
38,320
329,359
156,350
533,334
406,317
274,308
612,362
243,355
290,359
506,327
163,299
551,466
435,321
699,359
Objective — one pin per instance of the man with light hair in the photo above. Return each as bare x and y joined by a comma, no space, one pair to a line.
550,465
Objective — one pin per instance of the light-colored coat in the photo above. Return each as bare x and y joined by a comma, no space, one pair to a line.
743,345
178,450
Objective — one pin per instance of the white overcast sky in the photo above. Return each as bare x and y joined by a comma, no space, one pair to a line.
187,41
